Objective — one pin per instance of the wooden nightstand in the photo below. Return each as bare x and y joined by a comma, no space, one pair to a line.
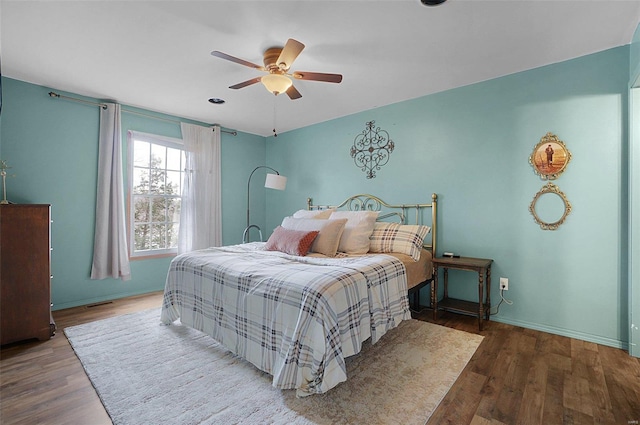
482,266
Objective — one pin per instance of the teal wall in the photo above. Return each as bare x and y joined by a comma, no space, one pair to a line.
52,146
471,146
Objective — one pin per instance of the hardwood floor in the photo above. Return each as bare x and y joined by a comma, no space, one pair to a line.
517,376
523,376
44,382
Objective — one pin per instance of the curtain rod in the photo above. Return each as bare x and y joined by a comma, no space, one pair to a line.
104,106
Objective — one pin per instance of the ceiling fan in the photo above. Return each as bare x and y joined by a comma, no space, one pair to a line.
277,62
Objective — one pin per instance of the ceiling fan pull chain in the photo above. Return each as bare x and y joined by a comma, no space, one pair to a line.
274,117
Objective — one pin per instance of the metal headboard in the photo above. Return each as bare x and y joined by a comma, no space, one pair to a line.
365,202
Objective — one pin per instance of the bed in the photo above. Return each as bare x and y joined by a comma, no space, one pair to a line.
296,306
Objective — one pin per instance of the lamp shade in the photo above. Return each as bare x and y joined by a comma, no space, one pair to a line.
276,83
275,181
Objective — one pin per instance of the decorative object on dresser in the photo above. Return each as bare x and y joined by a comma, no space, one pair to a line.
272,181
3,172
372,149
25,273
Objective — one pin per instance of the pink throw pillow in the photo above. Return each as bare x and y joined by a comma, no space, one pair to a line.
292,242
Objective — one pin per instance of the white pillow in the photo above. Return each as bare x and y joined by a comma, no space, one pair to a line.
317,214
329,237
355,238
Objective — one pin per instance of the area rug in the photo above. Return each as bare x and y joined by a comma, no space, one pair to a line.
149,373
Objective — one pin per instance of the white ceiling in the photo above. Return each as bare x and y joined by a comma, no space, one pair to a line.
156,54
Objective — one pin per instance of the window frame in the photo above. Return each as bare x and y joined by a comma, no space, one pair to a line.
154,139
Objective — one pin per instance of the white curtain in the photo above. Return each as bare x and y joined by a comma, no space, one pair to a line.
110,252
200,213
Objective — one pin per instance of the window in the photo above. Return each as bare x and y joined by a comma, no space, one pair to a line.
156,167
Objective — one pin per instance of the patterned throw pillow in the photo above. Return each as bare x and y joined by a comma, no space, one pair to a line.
292,242
402,238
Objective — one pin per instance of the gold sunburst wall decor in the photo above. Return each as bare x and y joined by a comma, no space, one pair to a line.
371,149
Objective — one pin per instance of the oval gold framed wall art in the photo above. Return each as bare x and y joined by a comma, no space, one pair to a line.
550,157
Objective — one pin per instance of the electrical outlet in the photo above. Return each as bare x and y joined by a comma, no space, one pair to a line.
504,283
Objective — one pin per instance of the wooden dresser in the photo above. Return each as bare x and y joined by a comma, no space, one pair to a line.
25,273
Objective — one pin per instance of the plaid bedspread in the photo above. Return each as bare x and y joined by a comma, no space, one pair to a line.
296,318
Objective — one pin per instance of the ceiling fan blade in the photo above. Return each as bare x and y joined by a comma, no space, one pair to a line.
317,76
236,60
289,53
293,93
246,83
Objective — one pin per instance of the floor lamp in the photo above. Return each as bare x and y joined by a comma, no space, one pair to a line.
272,181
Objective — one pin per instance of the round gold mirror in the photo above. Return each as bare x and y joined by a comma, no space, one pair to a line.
550,207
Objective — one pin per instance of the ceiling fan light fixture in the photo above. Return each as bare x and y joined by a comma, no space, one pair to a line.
276,83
